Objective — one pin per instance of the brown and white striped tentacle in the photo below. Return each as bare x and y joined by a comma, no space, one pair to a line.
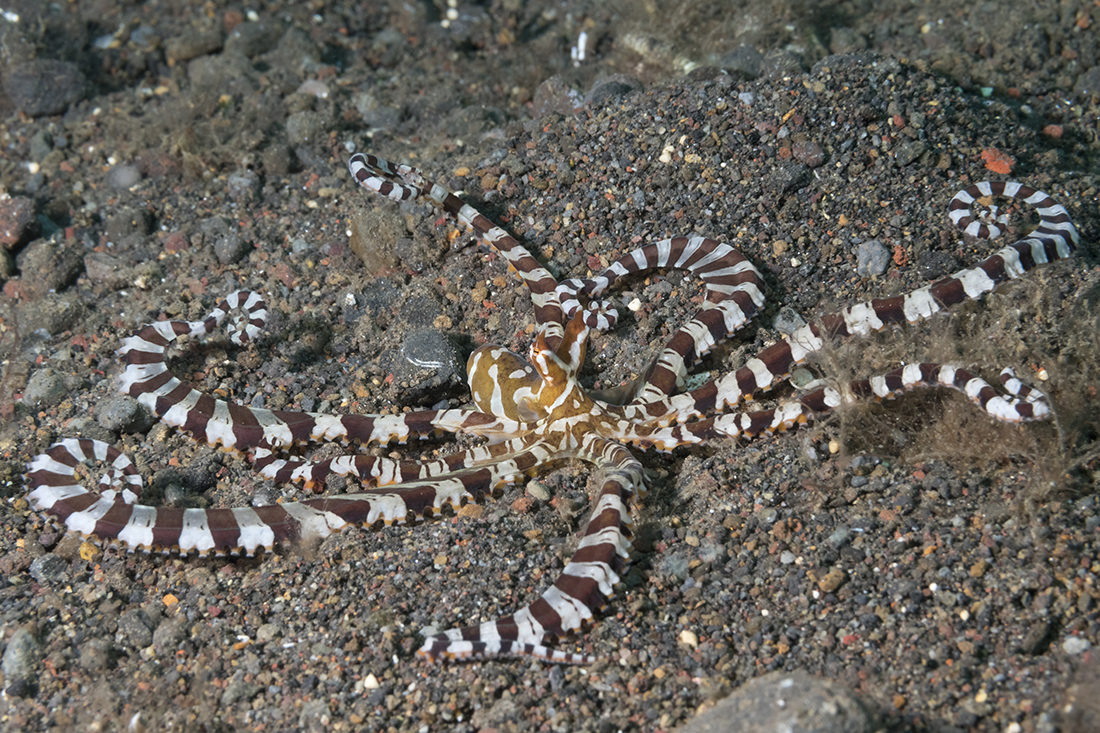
722,268
403,183
1055,224
583,586
745,425
111,515
217,421
1054,239
54,472
1023,403
734,295
380,471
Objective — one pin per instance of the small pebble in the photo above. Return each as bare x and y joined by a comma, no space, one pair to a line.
1075,645
122,177
44,86
17,220
872,258
538,490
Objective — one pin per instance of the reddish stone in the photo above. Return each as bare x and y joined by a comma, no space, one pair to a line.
997,161
16,220
16,290
523,504
284,274
808,153
175,242
155,164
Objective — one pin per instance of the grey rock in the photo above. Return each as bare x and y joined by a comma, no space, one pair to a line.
49,570
794,702
787,177
744,61
104,269
129,224
123,176
238,689
136,628
20,658
45,388
45,86
296,53
305,127
278,160
192,43
314,716
872,258
908,152
429,348
41,145
808,153
1088,84
377,114
17,221
1074,645
555,96
268,632
214,226
387,47
253,37
231,248
145,37
847,40
788,320
609,89
48,265
779,63
122,413
243,186
51,314
219,72
95,655
168,635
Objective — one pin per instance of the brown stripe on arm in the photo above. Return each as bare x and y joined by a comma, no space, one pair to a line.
73,504
198,417
246,428
890,310
948,292
829,325
152,384
300,425
114,521
224,529
283,526
168,527
142,357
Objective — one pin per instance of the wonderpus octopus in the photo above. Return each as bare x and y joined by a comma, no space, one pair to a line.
530,413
